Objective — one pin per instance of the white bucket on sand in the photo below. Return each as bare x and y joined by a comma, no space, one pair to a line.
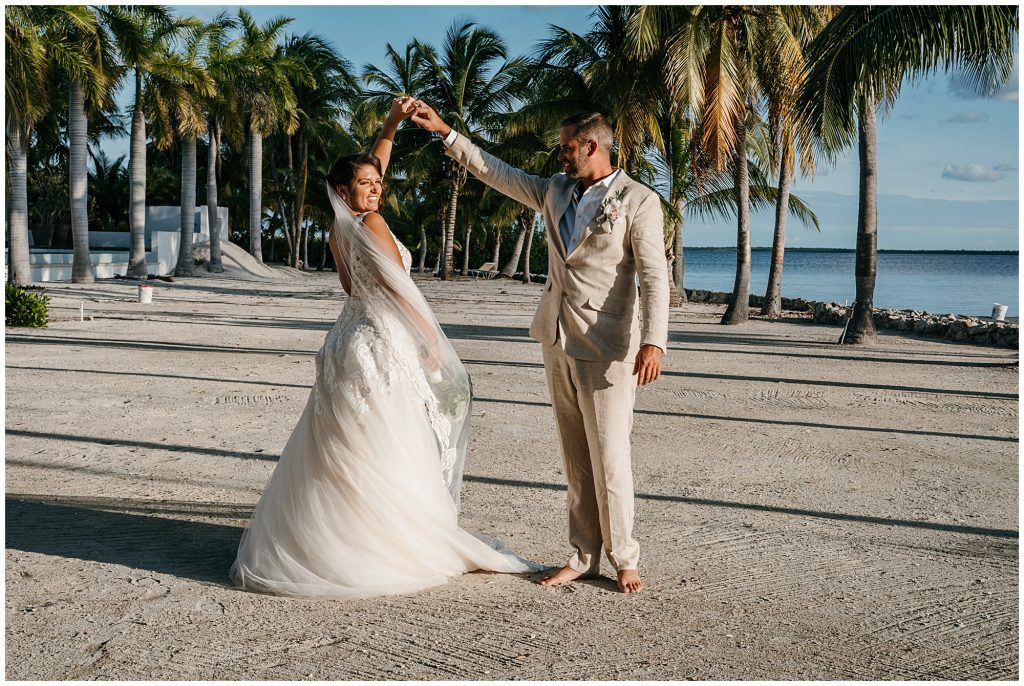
998,312
145,293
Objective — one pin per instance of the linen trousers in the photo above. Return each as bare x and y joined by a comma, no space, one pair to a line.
593,407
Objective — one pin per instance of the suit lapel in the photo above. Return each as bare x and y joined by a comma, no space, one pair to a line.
614,188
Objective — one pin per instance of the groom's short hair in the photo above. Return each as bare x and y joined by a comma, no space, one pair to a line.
591,126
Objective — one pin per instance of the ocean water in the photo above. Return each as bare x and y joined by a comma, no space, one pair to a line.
940,283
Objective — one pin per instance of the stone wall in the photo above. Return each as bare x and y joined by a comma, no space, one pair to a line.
962,329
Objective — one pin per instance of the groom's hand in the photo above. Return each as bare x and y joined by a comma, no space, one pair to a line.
426,118
647,367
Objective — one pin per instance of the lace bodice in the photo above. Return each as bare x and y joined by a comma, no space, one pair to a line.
404,252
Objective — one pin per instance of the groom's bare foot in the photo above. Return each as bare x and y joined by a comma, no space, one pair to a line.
629,581
565,575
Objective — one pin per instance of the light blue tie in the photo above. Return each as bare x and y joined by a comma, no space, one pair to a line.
567,225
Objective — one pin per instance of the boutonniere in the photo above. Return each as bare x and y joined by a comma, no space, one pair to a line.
613,208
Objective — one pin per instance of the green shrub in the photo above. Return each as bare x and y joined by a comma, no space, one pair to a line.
22,308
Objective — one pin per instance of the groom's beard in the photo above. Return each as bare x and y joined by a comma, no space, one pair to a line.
572,168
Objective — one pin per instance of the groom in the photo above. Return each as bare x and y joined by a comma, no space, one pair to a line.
603,229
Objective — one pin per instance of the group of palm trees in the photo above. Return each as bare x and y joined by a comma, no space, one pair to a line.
715,107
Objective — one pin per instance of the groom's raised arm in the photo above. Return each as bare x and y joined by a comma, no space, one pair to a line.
503,177
515,183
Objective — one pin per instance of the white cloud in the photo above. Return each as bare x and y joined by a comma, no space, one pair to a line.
971,117
972,172
1005,167
1011,90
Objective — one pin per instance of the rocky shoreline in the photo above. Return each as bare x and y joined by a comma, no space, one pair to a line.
957,328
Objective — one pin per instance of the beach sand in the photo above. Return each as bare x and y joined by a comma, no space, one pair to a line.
805,511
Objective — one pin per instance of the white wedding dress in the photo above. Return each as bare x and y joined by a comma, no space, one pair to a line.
364,499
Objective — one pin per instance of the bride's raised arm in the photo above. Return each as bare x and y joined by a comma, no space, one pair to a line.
401,108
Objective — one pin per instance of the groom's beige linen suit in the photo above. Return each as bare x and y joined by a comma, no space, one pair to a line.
587,322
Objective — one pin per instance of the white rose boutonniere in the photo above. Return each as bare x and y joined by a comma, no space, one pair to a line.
613,209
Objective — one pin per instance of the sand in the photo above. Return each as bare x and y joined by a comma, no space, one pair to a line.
805,511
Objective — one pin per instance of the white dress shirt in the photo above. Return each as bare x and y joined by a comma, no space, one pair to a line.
588,207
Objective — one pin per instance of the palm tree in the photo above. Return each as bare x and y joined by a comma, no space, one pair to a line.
27,99
860,59
142,33
469,83
323,95
711,194
178,113
46,45
225,64
805,22
268,97
719,62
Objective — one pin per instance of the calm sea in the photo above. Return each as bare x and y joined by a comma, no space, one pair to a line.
937,282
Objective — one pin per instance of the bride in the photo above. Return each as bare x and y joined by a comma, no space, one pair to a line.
364,499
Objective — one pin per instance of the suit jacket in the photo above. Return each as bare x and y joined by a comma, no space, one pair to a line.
592,291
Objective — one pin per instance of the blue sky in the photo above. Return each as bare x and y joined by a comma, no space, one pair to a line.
947,161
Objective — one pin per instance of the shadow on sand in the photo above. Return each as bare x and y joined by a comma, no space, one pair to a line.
82,530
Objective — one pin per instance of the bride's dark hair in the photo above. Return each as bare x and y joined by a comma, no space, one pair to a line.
344,170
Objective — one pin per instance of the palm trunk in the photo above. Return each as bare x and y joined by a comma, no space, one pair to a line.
305,248
495,256
300,200
862,325
739,307
509,270
773,295
465,249
212,218
423,247
137,203
323,248
527,274
443,219
448,268
81,269
20,271
256,194
188,207
281,209
678,295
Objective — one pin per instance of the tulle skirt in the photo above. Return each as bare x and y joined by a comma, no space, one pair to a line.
357,505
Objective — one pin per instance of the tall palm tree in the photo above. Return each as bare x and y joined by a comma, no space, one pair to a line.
46,45
177,104
468,83
27,99
323,95
223,61
804,21
860,59
269,100
142,34
719,62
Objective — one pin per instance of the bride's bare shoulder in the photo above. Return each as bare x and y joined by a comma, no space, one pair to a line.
376,225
